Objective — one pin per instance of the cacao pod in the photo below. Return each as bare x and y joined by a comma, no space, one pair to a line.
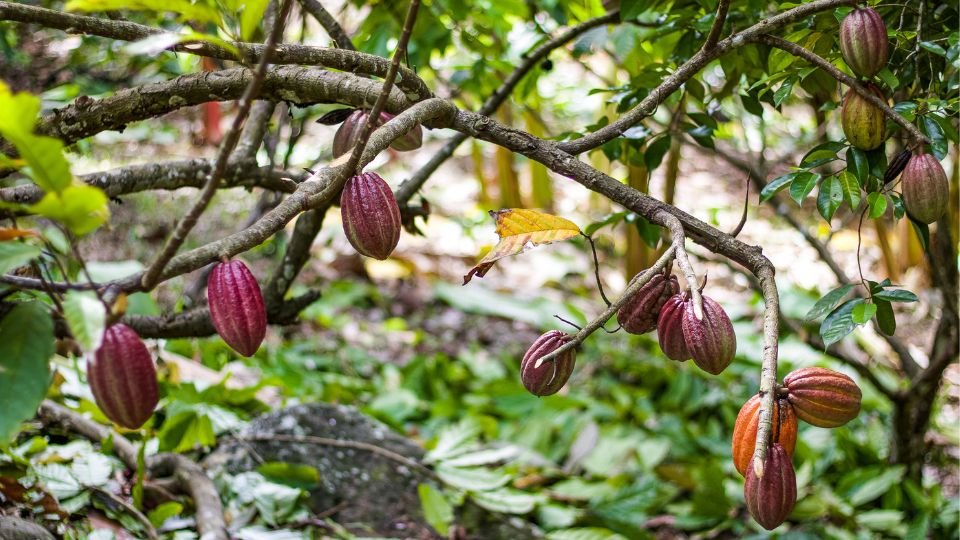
236,306
863,122
711,342
926,192
771,498
550,377
748,421
349,132
863,41
639,314
123,378
896,166
670,329
822,397
371,217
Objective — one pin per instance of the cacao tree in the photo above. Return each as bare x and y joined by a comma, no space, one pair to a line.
408,82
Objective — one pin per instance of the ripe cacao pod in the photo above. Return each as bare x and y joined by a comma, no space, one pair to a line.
550,377
711,342
863,41
371,217
670,329
349,132
639,314
123,378
863,122
748,421
771,498
236,306
926,192
822,397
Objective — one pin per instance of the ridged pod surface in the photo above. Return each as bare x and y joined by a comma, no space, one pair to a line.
926,192
349,132
745,430
712,342
550,377
236,306
639,315
863,41
823,397
123,378
670,329
863,122
371,217
771,498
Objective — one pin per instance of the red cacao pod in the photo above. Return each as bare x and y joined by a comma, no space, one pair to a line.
236,306
863,122
670,329
926,192
371,217
822,397
748,421
349,132
712,342
550,377
639,314
863,41
123,378
771,498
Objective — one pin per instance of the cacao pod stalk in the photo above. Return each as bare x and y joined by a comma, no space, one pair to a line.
926,191
863,41
639,315
123,378
371,217
712,342
550,377
863,122
236,306
748,421
771,498
822,397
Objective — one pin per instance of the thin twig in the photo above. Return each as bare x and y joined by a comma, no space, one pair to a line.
678,239
717,28
340,38
596,269
152,275
746,205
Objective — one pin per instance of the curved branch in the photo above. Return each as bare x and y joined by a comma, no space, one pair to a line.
250,53
340,38
690,68
915,134
492,103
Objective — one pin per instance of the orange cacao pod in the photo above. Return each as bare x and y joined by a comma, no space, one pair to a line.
123,378
639,314
823,397
670,329
236,306
745,430
926,191
550,377
771,498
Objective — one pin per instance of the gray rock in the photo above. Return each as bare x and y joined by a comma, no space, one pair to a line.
14,528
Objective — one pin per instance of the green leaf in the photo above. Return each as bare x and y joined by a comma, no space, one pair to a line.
872,487
26,345
584,533
20,112
784,91
453,441
862,313
886,320
507,501
86,317
649,232
473,478
923,233
822,154
186,430
857,164
850,187
80,207
290,474
631,9
16,254
839,323
896,295
44,155
938,141
164,512
437,510
611,219
186,10
802,185
829,301
878,204
251,17
777,184
655,152
830,197
933,47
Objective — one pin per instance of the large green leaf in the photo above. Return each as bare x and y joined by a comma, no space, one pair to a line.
828,302
80,207
16,254
26,345
839,323
437,510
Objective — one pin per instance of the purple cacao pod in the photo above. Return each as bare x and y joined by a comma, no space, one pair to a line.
550,377
670,329
349,132
123,378
236,306
926,192
863,122
639,314
371,217
771,498
711,342
863,41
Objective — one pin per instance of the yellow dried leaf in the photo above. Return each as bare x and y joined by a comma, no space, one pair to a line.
520,229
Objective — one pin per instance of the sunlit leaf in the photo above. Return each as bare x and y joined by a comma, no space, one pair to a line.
437,510
16,254
86,316
80,207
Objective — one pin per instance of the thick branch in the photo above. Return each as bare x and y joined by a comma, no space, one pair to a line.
690,68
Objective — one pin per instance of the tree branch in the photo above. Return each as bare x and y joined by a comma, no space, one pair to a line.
717,28
340,38
683,261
